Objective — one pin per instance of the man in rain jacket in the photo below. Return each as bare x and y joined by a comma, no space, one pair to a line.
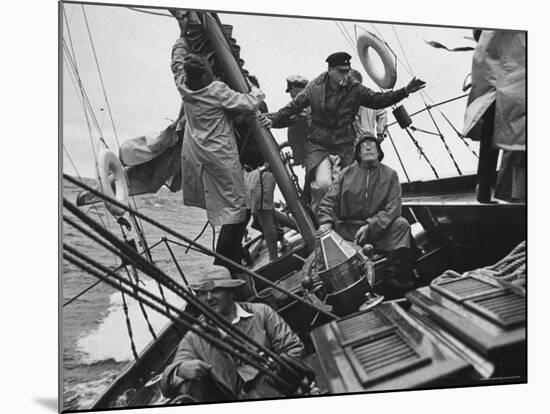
364,205
334,100
212,173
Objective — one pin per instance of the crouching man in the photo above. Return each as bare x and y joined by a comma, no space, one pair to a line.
201,372
363,205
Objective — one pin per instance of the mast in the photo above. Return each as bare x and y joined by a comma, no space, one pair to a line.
263,136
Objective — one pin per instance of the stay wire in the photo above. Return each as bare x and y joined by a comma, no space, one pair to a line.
425,95
128,254
462,138
403,51
246,355
144,244
84,99
76,71
80,178
145,293
203,249
149,12
348,36
445,143
100,75
421,151
78,295
398,155
427,108
234,335
343,34
175,260
87,289
187,246
88,111
198,236
180,292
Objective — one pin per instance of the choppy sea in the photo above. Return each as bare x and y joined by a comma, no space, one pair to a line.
96,341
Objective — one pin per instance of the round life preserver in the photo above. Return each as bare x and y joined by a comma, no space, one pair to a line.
368,40
112,180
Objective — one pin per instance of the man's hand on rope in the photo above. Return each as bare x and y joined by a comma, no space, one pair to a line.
193,370
414,85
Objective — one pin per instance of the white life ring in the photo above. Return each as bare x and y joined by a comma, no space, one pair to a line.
368,40
112,180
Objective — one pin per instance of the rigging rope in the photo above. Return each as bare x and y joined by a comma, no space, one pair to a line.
180,236
444,142
149,12
128,326
243,353
198,236
130,255
136,277
72,65
78,295
421,151
180,270
427,108
93,285
423,93
344,34
86,103
403,51
143,242
398,156
100,75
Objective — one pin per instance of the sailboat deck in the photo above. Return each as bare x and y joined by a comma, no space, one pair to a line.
455,199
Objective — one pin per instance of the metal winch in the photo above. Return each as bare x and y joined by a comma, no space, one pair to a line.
345,271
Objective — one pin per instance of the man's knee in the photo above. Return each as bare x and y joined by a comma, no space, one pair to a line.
401,223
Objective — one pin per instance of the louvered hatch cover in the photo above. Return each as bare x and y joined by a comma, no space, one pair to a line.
506,308
360,326
465,287
383,356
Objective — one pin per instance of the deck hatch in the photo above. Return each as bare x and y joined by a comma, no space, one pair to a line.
465,288
506,308
383,356
360,326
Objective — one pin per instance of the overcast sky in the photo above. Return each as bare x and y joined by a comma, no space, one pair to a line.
133,50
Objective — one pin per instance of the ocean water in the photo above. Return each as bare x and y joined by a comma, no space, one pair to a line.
96,342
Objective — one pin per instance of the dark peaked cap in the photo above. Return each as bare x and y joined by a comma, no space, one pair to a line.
338,59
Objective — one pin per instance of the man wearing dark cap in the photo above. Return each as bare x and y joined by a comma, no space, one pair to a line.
334,102
201,372
364,205
298,129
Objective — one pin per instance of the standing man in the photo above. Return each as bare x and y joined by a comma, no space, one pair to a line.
369,120
212,173
298,129
334,102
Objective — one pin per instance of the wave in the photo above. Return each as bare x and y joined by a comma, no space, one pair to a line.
111,341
